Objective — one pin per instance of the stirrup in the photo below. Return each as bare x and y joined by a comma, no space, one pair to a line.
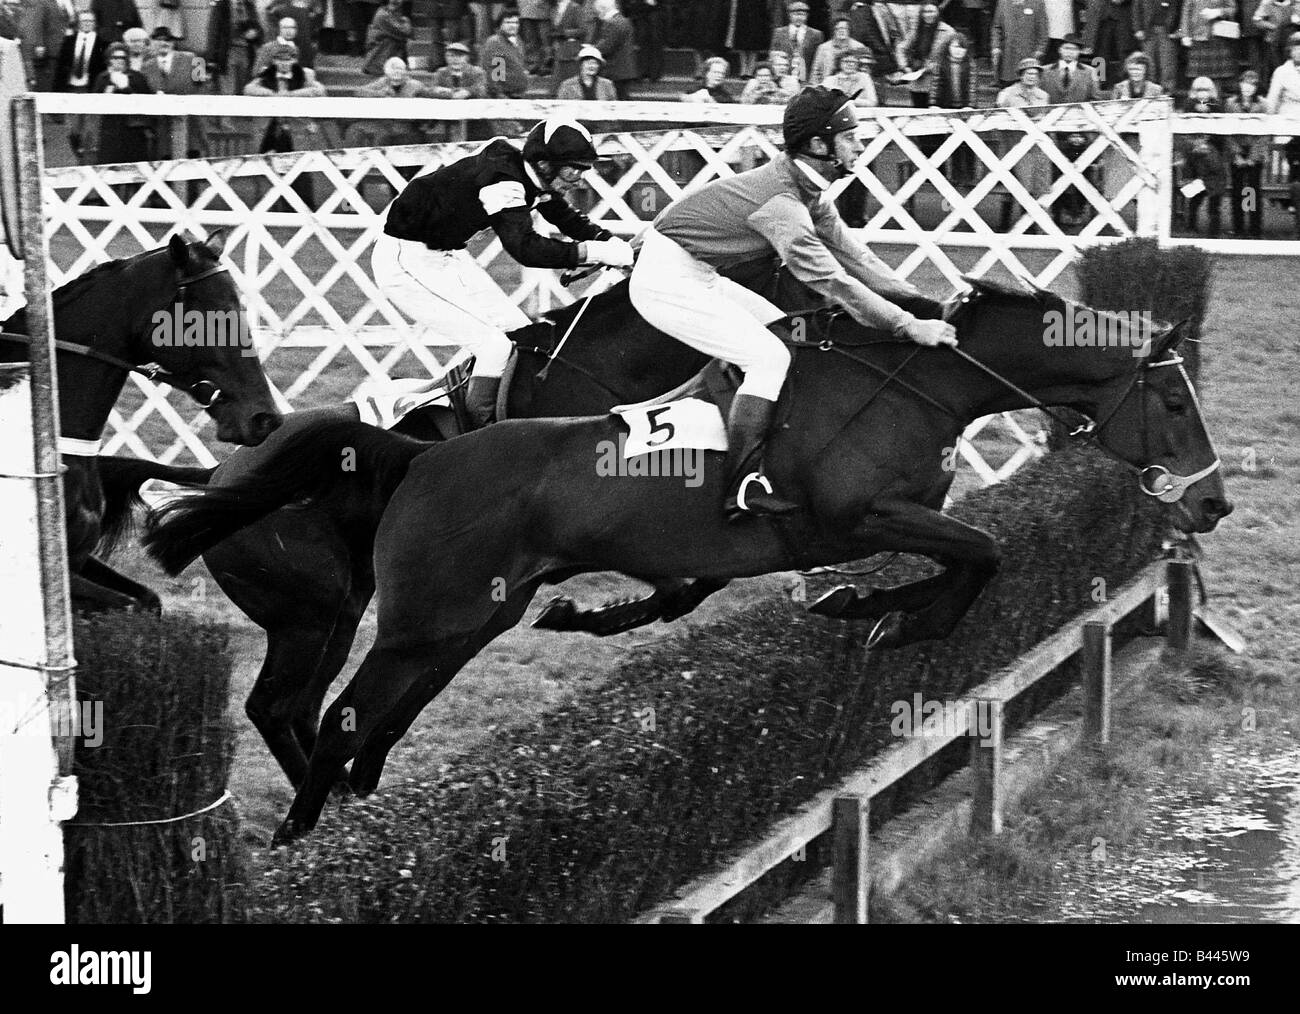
773,505
758,477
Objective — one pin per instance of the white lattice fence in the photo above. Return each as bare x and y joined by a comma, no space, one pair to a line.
305,272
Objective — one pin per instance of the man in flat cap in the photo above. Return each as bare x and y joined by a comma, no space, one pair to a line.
798,39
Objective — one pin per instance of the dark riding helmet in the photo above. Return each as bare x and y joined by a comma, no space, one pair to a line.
561,141
816,112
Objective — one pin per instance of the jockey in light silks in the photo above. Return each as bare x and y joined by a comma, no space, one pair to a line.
421,265
676,286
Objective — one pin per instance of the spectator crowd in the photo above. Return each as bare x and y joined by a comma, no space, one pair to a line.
1213,56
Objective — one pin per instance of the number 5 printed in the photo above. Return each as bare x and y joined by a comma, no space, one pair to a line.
667,428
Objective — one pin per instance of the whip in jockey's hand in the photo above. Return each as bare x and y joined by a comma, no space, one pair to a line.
421,265
676,285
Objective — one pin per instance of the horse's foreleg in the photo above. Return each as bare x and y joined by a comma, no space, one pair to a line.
847,603
970,558
671,600
98,577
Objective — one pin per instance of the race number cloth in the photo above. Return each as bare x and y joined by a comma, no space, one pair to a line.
383,403
689,424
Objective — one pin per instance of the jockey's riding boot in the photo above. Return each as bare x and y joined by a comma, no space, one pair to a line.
481,400
748,490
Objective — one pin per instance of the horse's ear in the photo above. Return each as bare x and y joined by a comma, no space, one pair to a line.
179,250
1166,337
216,242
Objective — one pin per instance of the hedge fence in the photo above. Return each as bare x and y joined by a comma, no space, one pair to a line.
164,685
601,808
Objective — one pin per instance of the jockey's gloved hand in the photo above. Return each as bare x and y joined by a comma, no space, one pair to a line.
928,332
616,253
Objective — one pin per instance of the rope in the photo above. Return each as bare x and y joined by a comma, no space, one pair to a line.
225,796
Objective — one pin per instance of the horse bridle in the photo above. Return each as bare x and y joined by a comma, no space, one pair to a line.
204,392
1166,486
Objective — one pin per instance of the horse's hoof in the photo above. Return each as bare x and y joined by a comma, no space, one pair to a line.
287,833
341,790
836,602
888,633
557,614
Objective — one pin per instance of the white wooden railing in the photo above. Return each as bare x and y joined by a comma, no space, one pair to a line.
305,273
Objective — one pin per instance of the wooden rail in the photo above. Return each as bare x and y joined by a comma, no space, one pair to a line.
843,809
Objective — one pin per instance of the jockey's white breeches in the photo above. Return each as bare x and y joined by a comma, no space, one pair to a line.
449,294
687,298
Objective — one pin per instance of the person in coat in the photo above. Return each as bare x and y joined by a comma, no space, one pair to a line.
798,39
287,76
570,23
1155,25
647,17
122,138
535,30
877,27
827,56
851,78
1205,162
1247,154
447,21
43,25
587,84
81,61
1108,33
1209,55
921,52
1033,169
1019,33
1137,83
307,15
395,83
503,59
459,79
1278,19
1284,100
614,37
172,71
235,34
115,16
389,32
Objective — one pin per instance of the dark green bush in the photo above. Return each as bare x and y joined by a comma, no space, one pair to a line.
166,751
601,818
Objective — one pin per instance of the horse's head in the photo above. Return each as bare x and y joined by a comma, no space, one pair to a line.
1124,372
202,339
1152,420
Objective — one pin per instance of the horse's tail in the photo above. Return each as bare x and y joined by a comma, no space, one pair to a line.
309,465
121,478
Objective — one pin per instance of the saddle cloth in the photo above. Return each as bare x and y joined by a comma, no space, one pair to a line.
385,403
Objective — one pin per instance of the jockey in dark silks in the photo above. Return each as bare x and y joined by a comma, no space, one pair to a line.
421,265
780,206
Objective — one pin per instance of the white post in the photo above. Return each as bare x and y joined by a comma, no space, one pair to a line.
31,841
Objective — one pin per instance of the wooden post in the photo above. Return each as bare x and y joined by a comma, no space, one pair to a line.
1096,680
986,769
678,915
1179,577
850,879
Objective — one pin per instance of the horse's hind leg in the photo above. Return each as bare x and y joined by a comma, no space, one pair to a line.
452,656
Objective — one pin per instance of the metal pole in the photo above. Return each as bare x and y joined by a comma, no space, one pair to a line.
50,517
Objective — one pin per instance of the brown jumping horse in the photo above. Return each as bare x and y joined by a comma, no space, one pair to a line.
473,527
304,573
105,328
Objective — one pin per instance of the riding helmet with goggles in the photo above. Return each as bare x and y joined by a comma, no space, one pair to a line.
817,112
560,141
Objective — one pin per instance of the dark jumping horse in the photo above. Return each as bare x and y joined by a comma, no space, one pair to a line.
305,574
104,323
473,527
